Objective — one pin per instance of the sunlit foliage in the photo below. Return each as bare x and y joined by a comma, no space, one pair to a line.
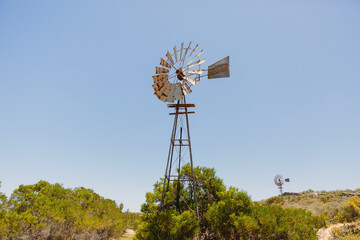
50,211
224,214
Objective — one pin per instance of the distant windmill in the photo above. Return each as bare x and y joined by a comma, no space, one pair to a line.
279,181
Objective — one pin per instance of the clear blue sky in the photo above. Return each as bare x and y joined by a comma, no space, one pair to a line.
77,106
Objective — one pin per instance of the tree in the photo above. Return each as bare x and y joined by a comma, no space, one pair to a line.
229,217
208,184
167,224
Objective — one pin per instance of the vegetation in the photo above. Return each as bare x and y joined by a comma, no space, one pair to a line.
225,213
334,206
350,212
49,211
340,209
347,231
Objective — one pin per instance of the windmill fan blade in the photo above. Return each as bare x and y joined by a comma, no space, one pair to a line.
187,49
220,69
164,87
197,72
163,98
157,94
191,80
182,46
178,92
185,88
159,77
197,55
197,63
168,55
171,96
193,50
161,70
175,53
159,84
160,94
167,89
156,86
164,63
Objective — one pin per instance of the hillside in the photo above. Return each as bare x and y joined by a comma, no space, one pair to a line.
340,209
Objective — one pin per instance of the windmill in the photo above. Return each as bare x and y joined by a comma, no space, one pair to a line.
181,70
279,181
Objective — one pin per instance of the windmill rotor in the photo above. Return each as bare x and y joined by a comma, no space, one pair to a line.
279,180
181,69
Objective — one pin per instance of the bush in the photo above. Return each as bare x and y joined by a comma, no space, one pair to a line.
49,211
351,211
229,217
235,217
168,224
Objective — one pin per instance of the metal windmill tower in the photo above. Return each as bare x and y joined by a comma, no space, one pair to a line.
179,72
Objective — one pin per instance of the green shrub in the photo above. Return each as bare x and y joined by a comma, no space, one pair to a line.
208,185
351,211
229,217
168,224
234,217
49,211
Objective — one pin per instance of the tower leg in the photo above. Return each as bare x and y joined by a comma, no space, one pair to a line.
170,156
179,170
191,160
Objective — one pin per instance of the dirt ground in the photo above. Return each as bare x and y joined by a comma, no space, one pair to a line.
129,234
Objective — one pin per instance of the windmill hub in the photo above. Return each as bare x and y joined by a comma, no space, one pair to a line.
180,73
